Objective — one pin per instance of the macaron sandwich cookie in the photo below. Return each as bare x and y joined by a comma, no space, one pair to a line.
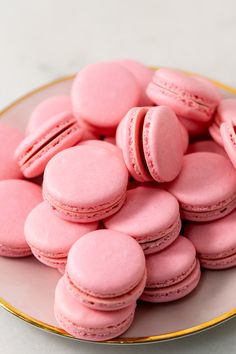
17,199
188,96
150,215
85,183
151,142
215,242
228,135
205,187
50,238
88,324
106,270
225,113
172,273
102,93
10,138
58,133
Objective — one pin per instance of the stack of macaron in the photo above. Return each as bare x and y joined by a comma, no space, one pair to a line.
137,195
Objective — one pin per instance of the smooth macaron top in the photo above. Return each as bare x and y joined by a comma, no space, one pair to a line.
47,109
17,199
143,75
10,138
147,212
51,235
162,143
85,177
106,263
102,93
170,265
214,239
84,317
206,180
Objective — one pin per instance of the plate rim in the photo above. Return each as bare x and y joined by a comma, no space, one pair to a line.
131,340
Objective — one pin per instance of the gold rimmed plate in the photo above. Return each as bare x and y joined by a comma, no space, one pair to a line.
27,286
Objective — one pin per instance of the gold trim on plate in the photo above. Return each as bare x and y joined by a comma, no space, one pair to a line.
120,340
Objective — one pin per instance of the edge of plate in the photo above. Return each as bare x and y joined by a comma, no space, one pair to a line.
134,340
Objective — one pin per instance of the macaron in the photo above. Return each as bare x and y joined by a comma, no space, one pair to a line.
194,128
84,323
172,273
151,142
85,183
50,238
102,144
17,199
143,75
187,96
150,215
46,109
10,138
206,146
227,132
102,93
56,134
215,242
205,187
226,112
106,270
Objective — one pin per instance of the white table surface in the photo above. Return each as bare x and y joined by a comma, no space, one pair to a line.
45,39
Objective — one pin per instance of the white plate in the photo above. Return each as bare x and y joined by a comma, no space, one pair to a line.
27,286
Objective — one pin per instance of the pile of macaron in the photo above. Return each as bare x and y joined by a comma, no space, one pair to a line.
127,187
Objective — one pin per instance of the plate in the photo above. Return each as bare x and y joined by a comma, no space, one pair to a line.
27,286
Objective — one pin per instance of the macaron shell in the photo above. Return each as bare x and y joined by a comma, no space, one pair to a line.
176,291
162,143
102,93
51,236
171,265
206,146
106,263
47,109
215,239
214,131
17,198
86,323
70,187
128,138
220,263
102,144
143,75
10,138
207,182
146,214
227,131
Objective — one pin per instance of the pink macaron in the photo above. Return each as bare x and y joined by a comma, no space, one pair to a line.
85,183
150,215
10,138
88,324
195,129
151,142
215,242
228,135
47,109
205,187
56,134
17,199
102,93
102,144
50,238
187,96
143,75
172,273
106,270
206,146
226,112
